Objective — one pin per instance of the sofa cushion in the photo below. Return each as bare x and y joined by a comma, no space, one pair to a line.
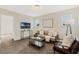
67,41
77,38
50,33
47,38
55,33
41,32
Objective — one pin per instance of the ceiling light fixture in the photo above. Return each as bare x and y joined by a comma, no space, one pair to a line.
36,7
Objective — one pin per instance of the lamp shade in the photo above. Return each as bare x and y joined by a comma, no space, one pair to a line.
70,21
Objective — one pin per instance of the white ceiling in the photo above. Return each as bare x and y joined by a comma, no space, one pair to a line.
31,11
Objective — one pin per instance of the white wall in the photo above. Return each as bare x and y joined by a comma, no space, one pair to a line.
10,27
26,33
56,17
16,29
6,26
17,17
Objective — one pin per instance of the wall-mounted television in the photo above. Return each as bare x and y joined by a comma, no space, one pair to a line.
25,25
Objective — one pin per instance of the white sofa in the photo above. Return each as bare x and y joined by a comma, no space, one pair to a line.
49,35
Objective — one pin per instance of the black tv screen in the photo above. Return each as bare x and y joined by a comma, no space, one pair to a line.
25,25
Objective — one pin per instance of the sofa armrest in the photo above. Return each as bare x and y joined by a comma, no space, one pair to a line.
65,47
61,50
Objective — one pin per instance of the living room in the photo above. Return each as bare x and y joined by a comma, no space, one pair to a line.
35,29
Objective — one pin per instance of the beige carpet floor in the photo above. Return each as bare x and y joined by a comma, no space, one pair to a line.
23,47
